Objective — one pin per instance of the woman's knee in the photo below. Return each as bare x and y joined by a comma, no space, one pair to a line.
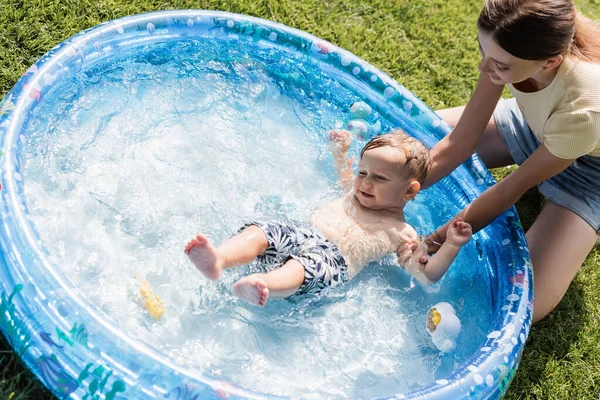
491,147
451,115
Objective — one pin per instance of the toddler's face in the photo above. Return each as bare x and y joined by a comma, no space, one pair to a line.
381,182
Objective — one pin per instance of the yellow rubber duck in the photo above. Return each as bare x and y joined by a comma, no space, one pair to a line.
152,302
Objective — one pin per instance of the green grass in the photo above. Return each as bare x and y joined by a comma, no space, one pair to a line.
427,45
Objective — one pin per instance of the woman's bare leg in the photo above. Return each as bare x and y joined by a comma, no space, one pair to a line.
559,242
241,249
278,284
490,148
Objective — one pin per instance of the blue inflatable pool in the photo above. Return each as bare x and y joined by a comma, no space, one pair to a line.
74,347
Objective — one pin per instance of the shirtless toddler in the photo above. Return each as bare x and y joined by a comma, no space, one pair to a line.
343,235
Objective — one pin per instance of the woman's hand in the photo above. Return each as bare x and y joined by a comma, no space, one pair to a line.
434,241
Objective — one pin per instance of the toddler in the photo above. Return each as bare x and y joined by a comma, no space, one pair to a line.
343,235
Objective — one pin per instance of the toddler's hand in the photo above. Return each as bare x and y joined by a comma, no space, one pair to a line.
459,232
339,141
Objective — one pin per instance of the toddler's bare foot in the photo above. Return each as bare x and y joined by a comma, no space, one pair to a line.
252,289
205,257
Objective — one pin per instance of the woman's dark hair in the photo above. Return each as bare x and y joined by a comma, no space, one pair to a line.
540,29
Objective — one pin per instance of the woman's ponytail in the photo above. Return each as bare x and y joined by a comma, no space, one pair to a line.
586,41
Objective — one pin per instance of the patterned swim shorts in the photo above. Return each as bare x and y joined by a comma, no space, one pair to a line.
323,264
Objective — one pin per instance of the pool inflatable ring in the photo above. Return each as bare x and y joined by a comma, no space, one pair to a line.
77,352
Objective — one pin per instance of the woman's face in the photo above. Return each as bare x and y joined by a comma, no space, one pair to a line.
501,66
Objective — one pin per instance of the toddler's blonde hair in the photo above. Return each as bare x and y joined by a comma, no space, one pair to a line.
418,162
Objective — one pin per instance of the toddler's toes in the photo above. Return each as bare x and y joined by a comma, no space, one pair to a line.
192,243
263,292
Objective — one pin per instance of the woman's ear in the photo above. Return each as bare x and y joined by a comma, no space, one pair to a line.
553,62
412,190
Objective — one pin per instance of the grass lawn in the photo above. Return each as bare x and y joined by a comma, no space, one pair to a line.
427,45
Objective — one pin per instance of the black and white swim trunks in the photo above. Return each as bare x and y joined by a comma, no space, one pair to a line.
323,264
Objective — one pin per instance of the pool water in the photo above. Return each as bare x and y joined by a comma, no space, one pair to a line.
144,149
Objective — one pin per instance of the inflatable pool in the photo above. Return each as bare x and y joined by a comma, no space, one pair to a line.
82,344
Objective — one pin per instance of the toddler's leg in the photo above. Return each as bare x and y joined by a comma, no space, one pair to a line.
239,250
280,283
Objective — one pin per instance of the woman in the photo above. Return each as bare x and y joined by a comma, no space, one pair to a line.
549,56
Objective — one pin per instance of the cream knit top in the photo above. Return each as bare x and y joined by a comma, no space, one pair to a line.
565,116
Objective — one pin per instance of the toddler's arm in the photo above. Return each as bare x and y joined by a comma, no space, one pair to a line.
430,270
339,142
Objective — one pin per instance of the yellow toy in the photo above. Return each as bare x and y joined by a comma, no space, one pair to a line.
152,302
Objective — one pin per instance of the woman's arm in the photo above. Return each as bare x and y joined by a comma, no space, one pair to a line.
460,144
540,166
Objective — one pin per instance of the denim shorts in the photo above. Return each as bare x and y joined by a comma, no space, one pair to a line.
577,188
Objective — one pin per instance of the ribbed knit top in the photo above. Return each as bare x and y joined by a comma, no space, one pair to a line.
565,115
